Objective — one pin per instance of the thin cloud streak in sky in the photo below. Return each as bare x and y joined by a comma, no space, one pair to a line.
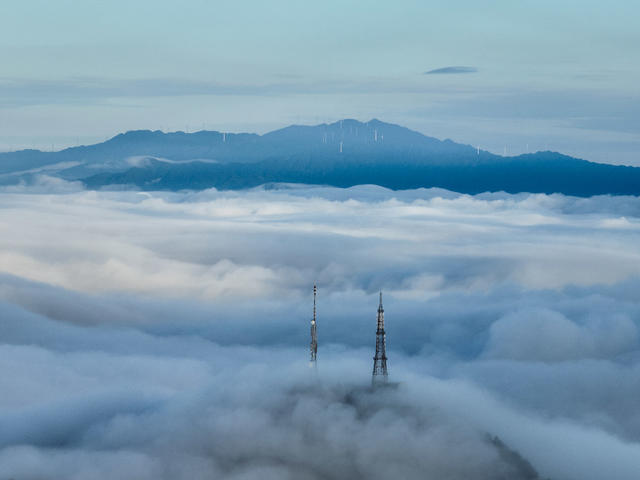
451,70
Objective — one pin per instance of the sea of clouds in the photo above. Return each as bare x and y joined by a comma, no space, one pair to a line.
158,335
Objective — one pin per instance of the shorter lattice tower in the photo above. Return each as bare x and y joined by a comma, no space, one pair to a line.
380,359
314,334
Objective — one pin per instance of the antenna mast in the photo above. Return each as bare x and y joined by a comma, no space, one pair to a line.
380,359
314,336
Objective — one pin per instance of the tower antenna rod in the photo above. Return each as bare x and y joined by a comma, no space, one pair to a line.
314,334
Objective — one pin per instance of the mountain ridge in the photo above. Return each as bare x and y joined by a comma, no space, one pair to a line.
343,154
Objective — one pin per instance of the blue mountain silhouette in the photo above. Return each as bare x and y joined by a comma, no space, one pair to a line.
342,154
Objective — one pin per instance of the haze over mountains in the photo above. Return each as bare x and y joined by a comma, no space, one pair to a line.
341,154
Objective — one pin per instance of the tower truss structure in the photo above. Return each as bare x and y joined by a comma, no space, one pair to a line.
380,374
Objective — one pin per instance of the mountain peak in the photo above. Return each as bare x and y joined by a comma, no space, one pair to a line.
343,153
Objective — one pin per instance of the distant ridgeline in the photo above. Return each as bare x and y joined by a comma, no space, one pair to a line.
341,154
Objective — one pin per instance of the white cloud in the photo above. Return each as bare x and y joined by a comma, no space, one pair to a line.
212,243
165,334
544,335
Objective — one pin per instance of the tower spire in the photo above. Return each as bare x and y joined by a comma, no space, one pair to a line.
314,337
380,359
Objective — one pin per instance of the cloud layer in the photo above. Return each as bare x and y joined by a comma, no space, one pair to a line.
164,335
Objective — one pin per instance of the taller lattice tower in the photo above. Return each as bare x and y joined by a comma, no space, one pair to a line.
380,359
314,335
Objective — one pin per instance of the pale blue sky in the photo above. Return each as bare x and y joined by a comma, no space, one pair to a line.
559,75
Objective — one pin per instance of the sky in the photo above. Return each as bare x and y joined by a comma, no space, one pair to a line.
505,76
150,335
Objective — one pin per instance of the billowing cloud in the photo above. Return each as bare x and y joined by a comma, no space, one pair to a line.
165,335
550,336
